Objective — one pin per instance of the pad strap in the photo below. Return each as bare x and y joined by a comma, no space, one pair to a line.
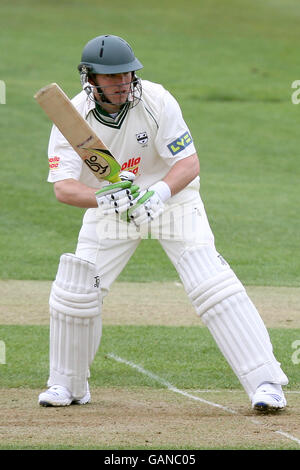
214,290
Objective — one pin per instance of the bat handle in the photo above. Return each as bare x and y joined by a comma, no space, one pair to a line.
127,176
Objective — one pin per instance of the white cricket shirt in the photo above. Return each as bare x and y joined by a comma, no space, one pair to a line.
147,139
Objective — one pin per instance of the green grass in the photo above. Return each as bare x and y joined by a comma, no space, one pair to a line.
230,64
187,357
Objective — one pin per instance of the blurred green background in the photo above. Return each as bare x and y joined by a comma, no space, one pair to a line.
229,64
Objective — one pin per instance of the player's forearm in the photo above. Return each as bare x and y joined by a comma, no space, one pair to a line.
182,173
75,193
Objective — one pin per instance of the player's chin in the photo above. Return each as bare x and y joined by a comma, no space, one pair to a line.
119,98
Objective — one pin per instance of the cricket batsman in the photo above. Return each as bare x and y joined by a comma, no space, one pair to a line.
142,125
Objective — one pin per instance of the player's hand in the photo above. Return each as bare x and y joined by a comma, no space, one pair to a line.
116,198
147,206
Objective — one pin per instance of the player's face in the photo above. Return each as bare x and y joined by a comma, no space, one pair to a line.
116,87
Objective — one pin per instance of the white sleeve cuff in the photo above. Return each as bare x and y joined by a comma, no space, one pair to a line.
162,189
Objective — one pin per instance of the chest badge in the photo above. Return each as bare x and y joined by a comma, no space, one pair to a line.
142,138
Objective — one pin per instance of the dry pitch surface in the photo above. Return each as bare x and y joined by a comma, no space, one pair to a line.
145,418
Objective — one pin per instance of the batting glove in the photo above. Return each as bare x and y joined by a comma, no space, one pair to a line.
118,197
149,204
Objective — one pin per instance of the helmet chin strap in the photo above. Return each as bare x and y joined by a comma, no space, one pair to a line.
103,97
88,88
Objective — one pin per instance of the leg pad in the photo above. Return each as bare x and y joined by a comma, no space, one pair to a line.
221,301
75,323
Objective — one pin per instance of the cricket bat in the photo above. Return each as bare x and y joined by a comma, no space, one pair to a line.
78,133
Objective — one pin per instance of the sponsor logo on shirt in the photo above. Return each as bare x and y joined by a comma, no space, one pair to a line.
53,163
179,144
131,165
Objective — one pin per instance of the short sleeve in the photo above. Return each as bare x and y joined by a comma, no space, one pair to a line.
173,141
64,162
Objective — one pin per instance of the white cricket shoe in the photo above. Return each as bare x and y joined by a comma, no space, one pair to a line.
60,396
268,397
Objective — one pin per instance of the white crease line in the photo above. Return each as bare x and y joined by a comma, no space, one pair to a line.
289,436
167,384
209,390
171,387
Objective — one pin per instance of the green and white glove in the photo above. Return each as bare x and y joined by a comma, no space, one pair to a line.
149,204
118,197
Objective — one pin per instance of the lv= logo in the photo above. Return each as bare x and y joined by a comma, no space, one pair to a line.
180,143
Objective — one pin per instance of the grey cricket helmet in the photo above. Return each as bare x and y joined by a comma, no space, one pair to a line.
108,54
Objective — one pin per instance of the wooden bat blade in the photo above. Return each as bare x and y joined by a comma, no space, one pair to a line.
78,132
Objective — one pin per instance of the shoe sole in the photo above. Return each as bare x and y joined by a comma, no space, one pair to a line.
262,406
47,403
66,403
